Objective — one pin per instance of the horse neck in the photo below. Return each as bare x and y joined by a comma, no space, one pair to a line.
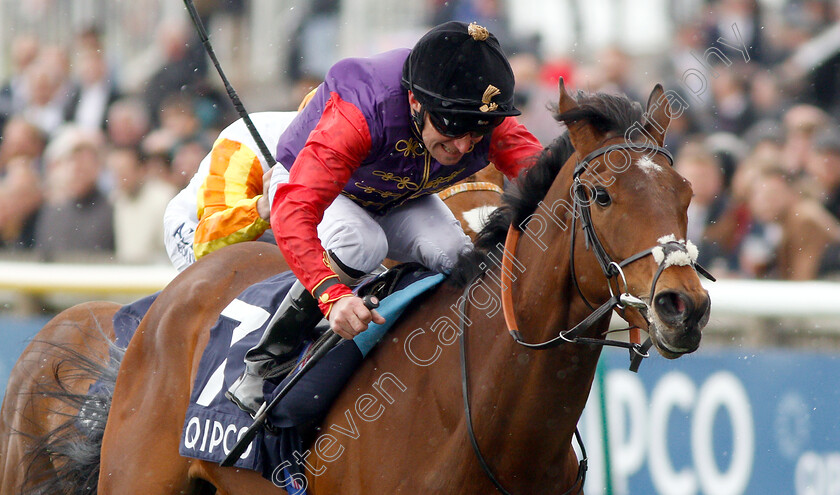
536,389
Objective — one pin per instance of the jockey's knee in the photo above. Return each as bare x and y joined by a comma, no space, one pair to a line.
441,254
358,254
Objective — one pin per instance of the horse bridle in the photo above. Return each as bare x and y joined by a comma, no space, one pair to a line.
611,270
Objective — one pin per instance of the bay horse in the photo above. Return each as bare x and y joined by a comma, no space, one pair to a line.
600,237
42,392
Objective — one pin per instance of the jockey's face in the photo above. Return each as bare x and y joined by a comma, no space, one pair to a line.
446,150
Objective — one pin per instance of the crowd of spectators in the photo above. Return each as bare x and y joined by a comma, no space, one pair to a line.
758,90
87,166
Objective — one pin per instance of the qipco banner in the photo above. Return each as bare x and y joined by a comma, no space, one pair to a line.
715,423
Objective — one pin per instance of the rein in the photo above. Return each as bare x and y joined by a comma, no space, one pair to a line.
468,186
576,487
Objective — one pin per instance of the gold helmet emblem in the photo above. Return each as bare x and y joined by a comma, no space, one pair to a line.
489,93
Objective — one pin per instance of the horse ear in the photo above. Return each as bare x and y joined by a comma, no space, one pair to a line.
582,134
656,115
566,102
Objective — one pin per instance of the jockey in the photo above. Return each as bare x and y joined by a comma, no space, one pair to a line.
224,203
358,170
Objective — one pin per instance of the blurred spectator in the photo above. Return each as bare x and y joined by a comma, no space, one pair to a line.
138,201
801,229
738,22
824,166
614,65
178,117
744,245
729,150
20,182
89,38
127,122
533,97
185,160
767,97
766,132
313,48
94,93
44,85
21,138
733,110
703,170
801,123
14,92
20,198
77,217
182,66
156,150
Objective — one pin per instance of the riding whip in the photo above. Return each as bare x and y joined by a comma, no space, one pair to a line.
262,414
234,98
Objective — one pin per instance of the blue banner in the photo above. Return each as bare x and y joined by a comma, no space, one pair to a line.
721,422
17,332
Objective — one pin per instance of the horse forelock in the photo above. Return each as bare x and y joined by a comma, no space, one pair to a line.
609,114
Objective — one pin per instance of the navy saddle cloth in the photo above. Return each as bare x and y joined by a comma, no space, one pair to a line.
213,423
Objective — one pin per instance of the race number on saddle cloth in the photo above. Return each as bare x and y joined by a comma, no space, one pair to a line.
359,144
213,423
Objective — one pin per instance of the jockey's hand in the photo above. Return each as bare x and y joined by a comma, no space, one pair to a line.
264,203
349,317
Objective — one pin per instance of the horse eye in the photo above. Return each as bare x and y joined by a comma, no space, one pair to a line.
602,197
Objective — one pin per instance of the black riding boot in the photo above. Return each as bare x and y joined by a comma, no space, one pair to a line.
294,318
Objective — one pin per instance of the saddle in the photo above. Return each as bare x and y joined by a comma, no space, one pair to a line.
379,286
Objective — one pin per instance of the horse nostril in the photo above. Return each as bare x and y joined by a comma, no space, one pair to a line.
673,306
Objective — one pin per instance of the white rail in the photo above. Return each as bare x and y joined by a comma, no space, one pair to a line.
751,298
774,298
55,278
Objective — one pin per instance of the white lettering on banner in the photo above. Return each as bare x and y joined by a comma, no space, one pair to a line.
190,440
626,398
723,390
792,425
637,429
219,434
818,474
674,390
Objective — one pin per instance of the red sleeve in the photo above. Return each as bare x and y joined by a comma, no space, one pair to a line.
333,151
513,148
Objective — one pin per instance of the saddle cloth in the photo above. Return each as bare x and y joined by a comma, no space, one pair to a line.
213,423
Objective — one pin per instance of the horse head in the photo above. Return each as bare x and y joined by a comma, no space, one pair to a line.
629,221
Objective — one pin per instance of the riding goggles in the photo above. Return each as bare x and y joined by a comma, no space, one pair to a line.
460,126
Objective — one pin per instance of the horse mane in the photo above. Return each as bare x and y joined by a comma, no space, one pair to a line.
607,113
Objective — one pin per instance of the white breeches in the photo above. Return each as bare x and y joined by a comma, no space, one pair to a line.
423,230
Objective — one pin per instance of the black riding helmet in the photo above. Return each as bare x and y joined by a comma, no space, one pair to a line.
461,77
